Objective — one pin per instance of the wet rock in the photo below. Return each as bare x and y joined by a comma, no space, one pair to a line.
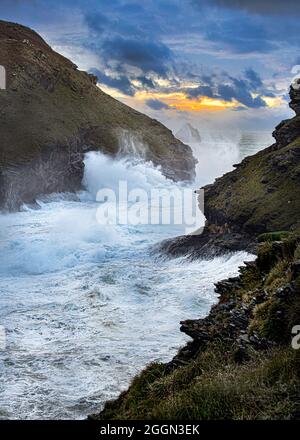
285,291
259,343
206,244
225,286
244,338
295,269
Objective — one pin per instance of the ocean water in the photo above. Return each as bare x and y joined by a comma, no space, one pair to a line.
85,306
217,152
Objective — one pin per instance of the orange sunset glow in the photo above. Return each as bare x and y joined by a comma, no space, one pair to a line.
182,102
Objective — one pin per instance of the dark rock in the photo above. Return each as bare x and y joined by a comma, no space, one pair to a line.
285,291
295,269
241,355
93,78
259,196
208,244
264,180
295,96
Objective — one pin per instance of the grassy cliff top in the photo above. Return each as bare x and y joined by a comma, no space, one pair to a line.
262,193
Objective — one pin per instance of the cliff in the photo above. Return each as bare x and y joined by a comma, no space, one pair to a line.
261,195
241,363
243,360
52,113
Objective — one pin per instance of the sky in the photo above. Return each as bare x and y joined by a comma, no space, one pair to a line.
228,63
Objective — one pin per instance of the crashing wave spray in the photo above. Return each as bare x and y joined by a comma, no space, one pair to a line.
216,152
101,171
138,193
71,291
130,145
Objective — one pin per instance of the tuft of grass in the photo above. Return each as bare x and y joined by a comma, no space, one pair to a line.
273,236
274,318
265,388
278,275
297,253
267,256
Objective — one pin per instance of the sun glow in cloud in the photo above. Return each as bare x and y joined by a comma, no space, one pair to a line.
273,102
201,103
182,102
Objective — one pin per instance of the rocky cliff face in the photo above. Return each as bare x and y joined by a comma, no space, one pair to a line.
241,362
261,195
52,113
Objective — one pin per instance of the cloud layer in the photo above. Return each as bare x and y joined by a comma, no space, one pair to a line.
230,51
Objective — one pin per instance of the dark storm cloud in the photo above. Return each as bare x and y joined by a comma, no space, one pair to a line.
247,90
148,56
241,35
253,77
235,27
146,82
265,7
138,42
14,3
97,21
296,62
121,83
156,104
128,56
240,92
201,91
228,88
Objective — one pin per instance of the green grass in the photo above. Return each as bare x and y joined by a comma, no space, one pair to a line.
260,196
214,387
216,384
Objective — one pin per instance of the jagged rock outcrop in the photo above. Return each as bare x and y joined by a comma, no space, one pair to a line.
295,96
52,113
242,361
260,195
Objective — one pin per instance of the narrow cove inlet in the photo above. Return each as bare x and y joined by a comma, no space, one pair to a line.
149,217
87,306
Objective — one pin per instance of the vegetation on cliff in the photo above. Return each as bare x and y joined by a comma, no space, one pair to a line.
240,363
260,196
262,193
52,113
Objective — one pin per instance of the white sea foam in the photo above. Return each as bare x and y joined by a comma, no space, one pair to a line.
104,172
84,306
